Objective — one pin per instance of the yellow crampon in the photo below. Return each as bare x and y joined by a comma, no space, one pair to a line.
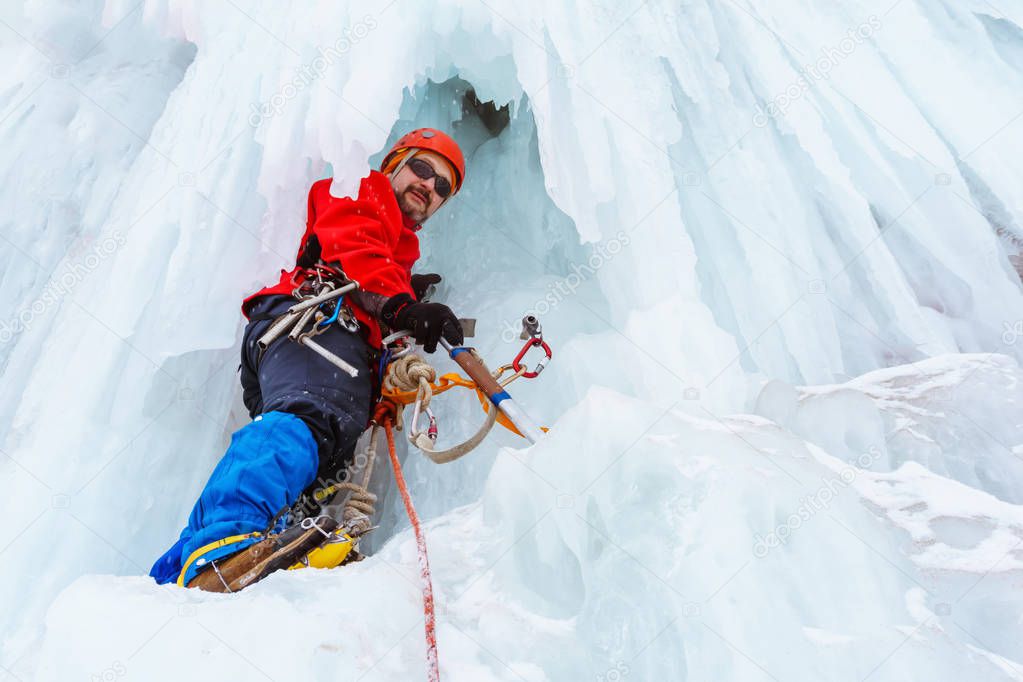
330,554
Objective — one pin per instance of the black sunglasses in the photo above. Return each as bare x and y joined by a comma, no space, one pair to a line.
425,171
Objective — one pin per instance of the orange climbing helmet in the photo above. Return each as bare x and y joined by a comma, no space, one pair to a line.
432,140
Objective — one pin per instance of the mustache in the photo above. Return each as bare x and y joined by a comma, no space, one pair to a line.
422,193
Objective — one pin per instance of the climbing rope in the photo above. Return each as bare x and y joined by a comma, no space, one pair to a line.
385,414
408,379
360,506
408,373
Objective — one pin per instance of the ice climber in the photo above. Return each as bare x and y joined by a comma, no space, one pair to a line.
308,415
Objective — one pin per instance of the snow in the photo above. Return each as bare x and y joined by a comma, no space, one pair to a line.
772,245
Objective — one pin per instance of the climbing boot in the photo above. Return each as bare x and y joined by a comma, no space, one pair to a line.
316,542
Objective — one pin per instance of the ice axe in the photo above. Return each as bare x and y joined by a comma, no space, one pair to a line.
493,390
401,387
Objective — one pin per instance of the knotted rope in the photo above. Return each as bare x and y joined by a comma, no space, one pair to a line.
412,373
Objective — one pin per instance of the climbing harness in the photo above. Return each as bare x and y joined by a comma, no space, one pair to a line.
321,303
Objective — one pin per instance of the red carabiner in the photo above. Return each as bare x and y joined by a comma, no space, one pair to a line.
534,341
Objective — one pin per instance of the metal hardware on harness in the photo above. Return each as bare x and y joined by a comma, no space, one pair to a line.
407,347
303,321
346,319
290,318
296,321
328,356
326,296
342,315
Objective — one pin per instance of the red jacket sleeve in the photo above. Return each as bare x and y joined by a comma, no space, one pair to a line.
361,234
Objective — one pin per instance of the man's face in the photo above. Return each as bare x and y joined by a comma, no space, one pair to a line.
417,198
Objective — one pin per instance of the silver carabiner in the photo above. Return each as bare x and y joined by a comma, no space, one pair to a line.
394,337
414,431
347,320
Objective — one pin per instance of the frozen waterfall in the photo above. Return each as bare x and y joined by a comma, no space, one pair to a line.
775,246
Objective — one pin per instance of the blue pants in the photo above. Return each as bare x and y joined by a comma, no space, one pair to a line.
307,416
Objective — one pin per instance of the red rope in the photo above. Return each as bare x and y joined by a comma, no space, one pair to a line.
432,670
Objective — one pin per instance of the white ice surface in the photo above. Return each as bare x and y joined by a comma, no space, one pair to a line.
746,308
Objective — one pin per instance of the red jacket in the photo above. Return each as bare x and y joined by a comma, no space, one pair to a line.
373,241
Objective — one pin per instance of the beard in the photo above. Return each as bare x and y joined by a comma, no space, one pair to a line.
413,208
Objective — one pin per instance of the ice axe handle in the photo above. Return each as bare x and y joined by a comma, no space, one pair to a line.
493,390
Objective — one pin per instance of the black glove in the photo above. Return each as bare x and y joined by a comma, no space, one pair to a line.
420,283
426,321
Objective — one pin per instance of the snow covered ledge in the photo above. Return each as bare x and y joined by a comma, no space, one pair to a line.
630,547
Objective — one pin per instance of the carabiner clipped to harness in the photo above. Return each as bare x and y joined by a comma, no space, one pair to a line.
337,311
341,315
304,320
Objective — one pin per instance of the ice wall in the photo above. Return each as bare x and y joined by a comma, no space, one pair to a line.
713,549
697,197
